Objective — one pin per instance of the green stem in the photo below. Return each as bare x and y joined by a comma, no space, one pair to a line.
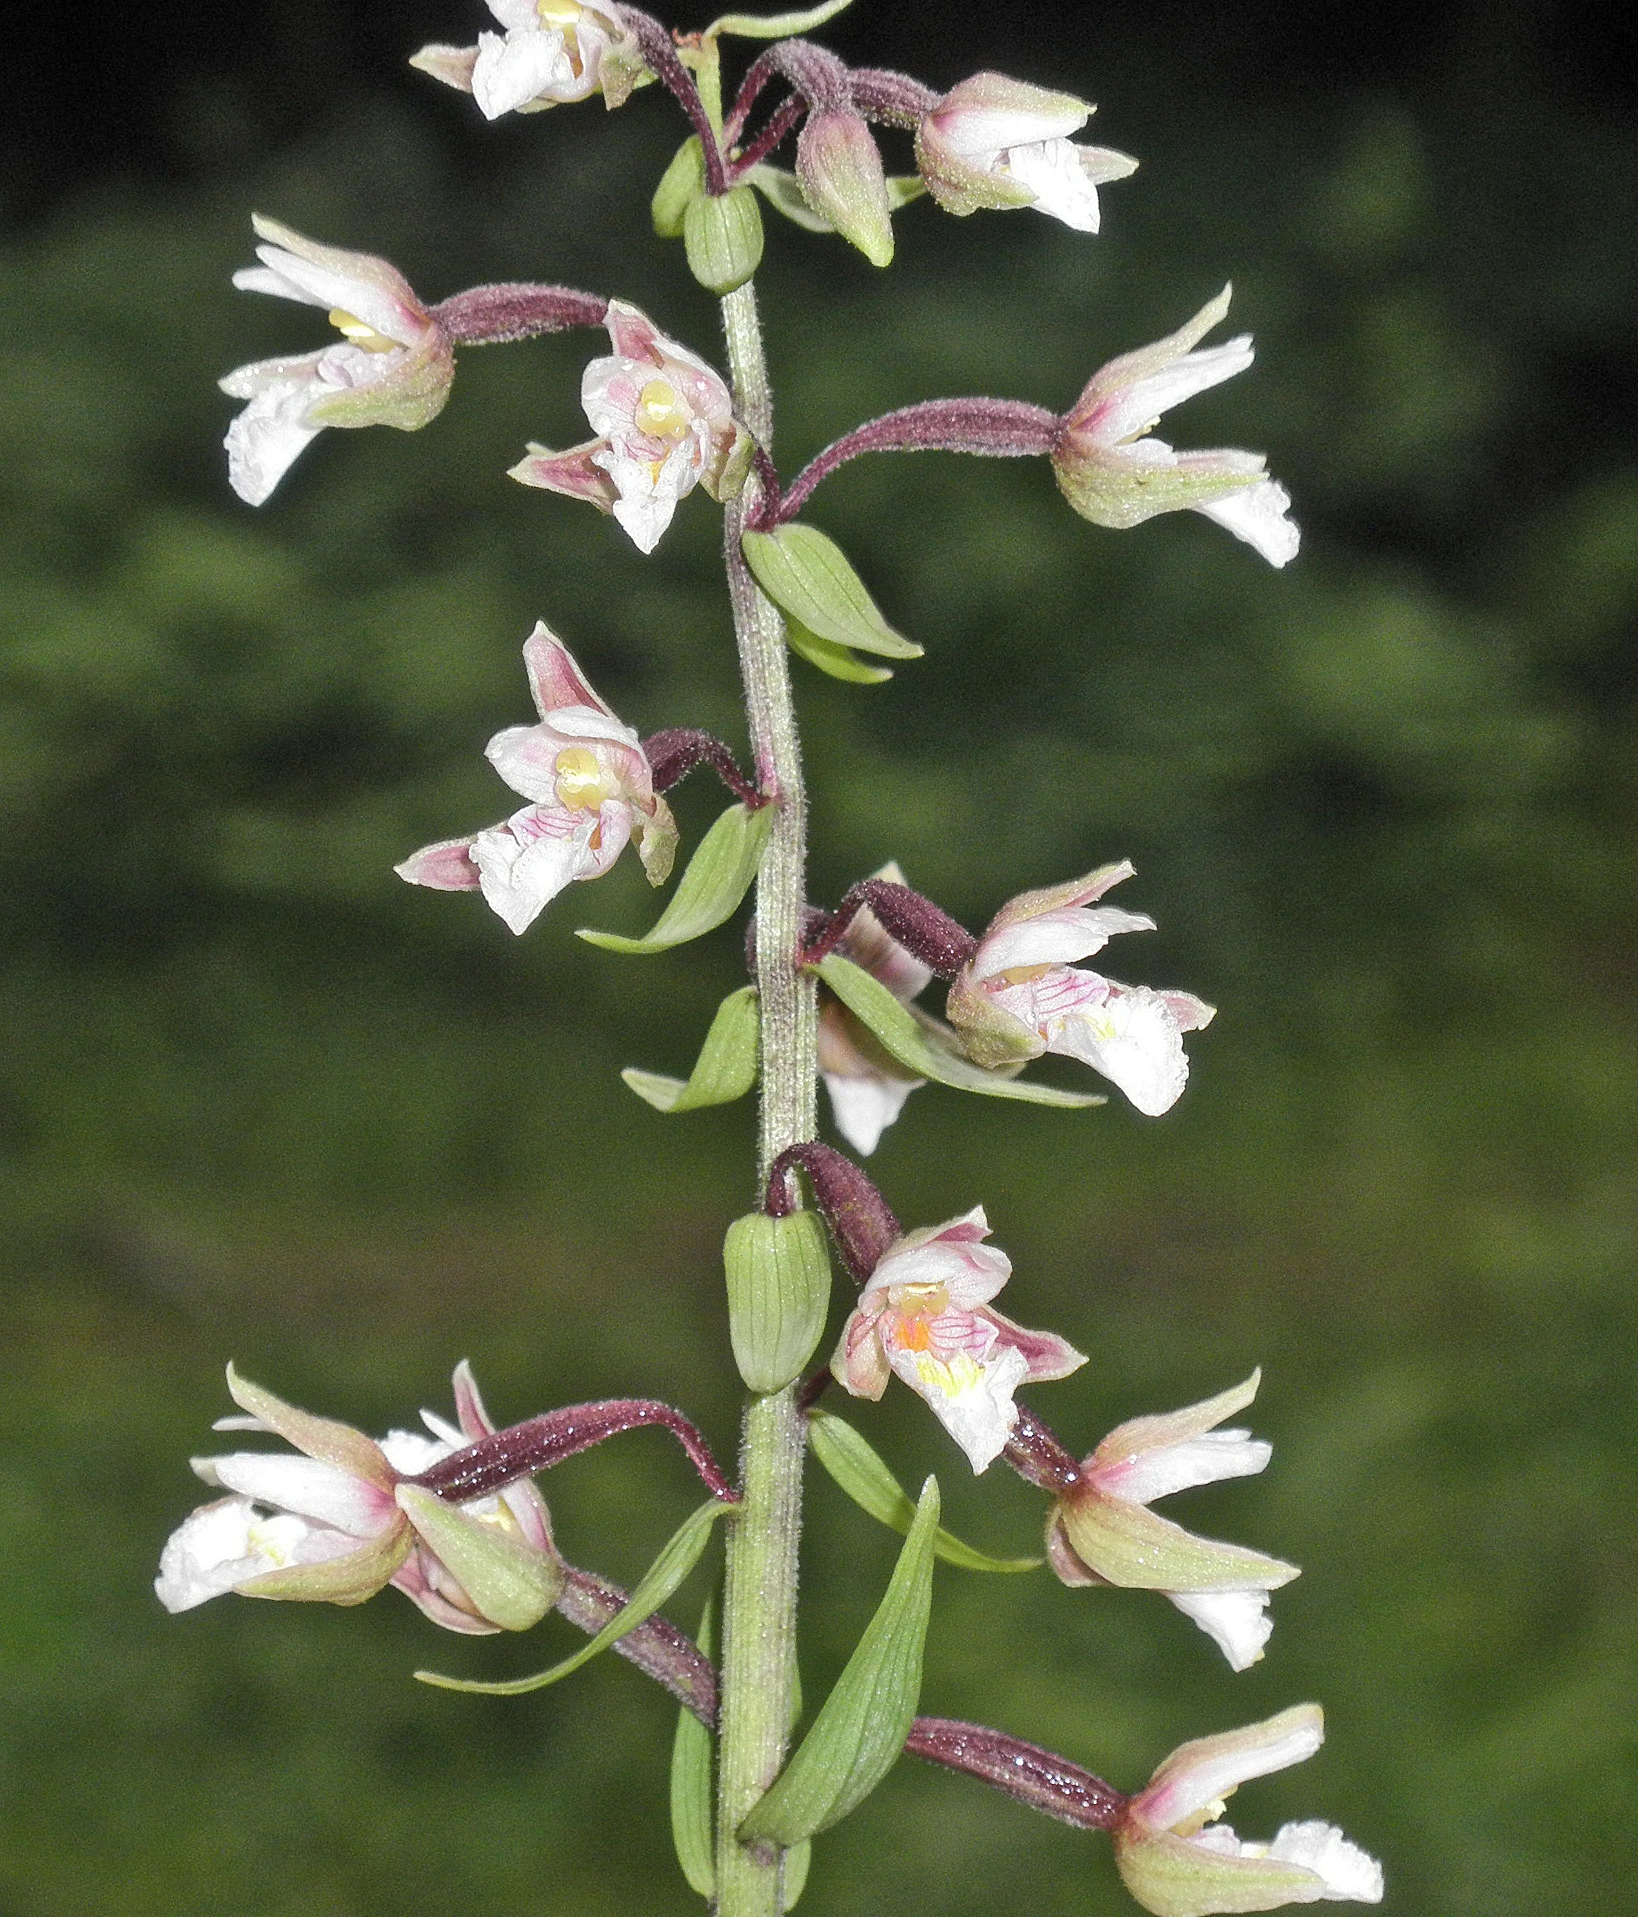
759,1599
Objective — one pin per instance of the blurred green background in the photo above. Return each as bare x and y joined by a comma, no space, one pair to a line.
259,1099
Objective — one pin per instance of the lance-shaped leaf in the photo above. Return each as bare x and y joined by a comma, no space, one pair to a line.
681,1552
920,1051
837,661
795,1879
691,1789
778,1273
808,576
859,1469
718,877
862,1725
725,1069
783,192
773,26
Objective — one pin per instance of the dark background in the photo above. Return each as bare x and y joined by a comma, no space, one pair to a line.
260,1100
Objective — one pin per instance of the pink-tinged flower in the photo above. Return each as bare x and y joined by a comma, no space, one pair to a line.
1179,1861
925,1314
1102,1531
996,142
664,422
336,1521
591,791
392,365
867,1087
1113,470
1020,995
550,51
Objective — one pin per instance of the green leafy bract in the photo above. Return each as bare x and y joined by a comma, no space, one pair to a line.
783,192
858,1468
921,1051
807,575
861,1727
725,1069
681,1552
691,1789
718,877
774,26
838,661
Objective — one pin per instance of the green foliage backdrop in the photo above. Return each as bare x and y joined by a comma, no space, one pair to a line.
259,1099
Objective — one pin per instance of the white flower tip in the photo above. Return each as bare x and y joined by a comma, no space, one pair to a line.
1350,1874
1237,1622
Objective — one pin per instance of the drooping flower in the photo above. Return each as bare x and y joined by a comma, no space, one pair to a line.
551,51
925,1314
1178,1861
867,1087
1113,470
664,422
336,1522
1102,1531
997,142
1020,995
392,365
590,790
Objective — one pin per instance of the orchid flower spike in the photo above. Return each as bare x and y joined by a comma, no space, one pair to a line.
337,1522
550,51
867,1087
1101,1530
1178,1861
664,422
1113,470
1019,995
392,365
996,142
591,790
925,1314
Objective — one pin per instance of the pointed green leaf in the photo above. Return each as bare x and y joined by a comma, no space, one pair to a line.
677,1558
858,1468
922,1051
783,192
774,26
806,574
778,1273
725,1069
861,1727
691,1790
718,877
795,1879
831,658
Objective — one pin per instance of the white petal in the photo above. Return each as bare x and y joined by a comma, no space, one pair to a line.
1220,1764
319,286
1158,392
1258,515
307,1486
1052,171
526,65
648,497
1235,1621
971,1273
1205,1459
265,439
980,133
1133,1039
973,1401
1055,938
864,1107
1351,1876
219,1546
412,1453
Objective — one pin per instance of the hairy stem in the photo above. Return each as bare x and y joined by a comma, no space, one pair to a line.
759,1599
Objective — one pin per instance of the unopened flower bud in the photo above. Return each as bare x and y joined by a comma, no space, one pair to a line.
840,167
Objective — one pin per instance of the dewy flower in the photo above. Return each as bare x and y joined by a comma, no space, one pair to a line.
1020,995
924,1313
1178,1861
997,142
392,365
337,1522
867,1087
664,422
1113,470
551,51
1102,1531
591,791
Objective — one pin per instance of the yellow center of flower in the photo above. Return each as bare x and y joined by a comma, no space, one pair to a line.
1020,975
950,1376
915,1307
660,413
359,333
502,1518
559,13
582,784
1192,1826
